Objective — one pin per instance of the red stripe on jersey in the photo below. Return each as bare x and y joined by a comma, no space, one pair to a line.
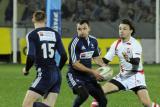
141,71
119,40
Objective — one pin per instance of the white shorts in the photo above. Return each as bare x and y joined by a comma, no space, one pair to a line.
133,81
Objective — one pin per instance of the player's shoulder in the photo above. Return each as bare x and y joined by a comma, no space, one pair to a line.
74,40
117,42
92,37
135,41
29,34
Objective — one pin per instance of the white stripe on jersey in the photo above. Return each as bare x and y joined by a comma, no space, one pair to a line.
92,37
71,79
27,41
73,46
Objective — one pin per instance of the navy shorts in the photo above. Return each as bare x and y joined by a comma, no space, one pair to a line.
75,81
48,79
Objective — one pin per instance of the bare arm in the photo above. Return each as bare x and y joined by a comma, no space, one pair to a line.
98,60
80,67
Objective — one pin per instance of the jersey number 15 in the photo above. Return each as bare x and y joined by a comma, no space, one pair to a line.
48,51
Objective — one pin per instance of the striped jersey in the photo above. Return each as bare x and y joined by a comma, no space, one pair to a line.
133,50
83,50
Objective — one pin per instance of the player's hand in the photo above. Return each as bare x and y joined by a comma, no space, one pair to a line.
25,72
97,75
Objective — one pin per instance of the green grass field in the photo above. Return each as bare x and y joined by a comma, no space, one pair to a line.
13,86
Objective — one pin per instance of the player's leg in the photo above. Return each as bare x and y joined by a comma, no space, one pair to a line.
30,98
144,97
51,99
82,95
96,91
78,88
51,96
110,87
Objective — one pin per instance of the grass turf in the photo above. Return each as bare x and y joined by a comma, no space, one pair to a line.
13,86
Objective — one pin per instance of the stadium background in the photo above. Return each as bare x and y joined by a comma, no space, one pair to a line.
104,16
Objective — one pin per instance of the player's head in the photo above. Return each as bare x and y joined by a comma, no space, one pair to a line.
126,29
83,28
39,16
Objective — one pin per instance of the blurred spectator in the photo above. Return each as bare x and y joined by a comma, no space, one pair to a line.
105,14
110,10
31,6
9,12
114,10
68,8
80,10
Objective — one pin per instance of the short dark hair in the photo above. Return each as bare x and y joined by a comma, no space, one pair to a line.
128,22
82,21
39,15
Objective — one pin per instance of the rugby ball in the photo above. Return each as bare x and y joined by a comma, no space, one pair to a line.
106,72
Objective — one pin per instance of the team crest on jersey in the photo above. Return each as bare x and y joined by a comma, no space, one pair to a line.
86,55
83,48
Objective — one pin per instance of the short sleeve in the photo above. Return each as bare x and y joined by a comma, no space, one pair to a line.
30,44
111,53
137,50
73,51
97,51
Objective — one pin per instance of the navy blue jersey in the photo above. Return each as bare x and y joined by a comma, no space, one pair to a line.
84,50
42,44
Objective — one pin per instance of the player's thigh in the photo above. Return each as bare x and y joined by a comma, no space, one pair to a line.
51,99
109,87
144,96
30,98
96,91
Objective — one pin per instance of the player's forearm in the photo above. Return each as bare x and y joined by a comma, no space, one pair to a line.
63,60
99,61
80,67
106,61
29,62
134,61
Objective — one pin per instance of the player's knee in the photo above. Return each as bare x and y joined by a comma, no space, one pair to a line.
147,104
27,104
39,104
82,93
84,96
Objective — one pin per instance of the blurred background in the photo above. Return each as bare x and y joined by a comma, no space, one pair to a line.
103,14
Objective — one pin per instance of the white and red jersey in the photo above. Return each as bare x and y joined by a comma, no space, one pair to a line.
132,48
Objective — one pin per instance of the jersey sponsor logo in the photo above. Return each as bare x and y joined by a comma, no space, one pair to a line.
86,55
47,36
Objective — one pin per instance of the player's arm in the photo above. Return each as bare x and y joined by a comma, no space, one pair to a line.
75,60
30,54
98,60
80,67
62,52
96,56
134,58
110,54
